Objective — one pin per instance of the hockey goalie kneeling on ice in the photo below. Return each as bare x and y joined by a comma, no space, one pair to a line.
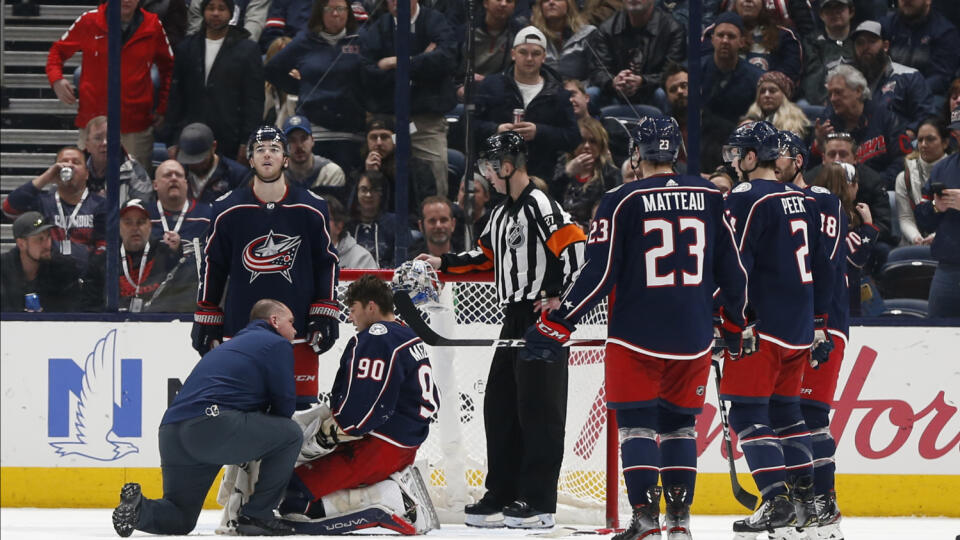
355,469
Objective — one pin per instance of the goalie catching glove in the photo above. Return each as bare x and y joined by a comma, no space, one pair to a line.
323,327
545,339
822,342
207,327
740,341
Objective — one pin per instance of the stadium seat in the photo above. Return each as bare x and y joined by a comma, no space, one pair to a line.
906,278
895,221
904,307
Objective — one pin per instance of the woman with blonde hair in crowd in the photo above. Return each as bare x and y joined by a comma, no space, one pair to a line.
567,33
584,175
933,140
774,90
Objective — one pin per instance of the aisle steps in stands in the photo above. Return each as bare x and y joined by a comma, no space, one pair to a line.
34,124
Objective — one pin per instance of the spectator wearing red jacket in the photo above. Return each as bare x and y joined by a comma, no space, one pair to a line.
144,45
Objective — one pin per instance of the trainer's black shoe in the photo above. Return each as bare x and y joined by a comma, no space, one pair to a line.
126,515
520,515
251,526
484,513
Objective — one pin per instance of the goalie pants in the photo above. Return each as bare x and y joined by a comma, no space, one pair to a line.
353,464
193,451
524,416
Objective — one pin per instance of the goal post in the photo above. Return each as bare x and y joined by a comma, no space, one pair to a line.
453,458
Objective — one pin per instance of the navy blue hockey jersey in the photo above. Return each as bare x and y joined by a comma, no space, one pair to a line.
385,386
833,230
665,245
778,233
268,250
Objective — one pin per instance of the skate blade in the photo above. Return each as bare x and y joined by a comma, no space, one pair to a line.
484,521
540,521
828,532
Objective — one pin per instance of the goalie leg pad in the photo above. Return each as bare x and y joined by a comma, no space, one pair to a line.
373,516
420,509
385,494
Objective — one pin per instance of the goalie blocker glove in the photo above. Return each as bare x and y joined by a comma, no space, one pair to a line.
822,342
545,338
207,327
740,341
323,327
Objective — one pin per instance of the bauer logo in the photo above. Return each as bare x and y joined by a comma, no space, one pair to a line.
109,401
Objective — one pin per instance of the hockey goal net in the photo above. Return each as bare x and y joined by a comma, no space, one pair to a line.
453,459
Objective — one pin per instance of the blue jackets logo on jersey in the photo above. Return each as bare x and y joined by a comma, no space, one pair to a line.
109,403
271,253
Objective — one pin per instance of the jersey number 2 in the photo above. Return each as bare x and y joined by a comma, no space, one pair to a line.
667,247
800,226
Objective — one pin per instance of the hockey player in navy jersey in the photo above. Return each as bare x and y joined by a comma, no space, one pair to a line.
271,239
383,400
660,241
777,229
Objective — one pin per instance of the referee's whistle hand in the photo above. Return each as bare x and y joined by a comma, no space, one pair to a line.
432,260
546,305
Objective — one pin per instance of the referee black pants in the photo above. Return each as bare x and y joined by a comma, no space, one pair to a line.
524,414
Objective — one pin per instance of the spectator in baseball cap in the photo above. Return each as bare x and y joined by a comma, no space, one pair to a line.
209,174
314,172
33,277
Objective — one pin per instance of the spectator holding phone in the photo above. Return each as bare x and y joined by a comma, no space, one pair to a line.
940,212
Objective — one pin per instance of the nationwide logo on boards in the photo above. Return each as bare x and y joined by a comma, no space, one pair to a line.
108,394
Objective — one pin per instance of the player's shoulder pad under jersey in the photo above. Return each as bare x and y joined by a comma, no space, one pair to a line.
742,187
820,190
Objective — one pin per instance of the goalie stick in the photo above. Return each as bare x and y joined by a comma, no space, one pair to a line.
411,316
742,496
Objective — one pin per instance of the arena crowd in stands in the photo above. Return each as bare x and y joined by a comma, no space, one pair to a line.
871,83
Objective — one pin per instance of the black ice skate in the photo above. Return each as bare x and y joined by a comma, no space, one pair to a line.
804,502
645,524
520,515
485,514
251,526
828,515
776,517
126,515
676,522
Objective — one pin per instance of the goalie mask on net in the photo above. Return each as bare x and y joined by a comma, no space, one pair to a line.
419,279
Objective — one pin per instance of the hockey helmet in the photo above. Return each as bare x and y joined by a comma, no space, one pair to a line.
761,137
266,134
658,139
495,148
791,145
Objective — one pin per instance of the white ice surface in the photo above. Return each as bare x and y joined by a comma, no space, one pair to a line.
84,524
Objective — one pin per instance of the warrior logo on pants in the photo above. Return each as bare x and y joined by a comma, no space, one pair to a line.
271,253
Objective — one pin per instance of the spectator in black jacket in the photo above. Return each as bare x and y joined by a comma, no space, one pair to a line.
925,41
433,60
548,125
209,174
33,268
218,80
882,142
829,48
632,49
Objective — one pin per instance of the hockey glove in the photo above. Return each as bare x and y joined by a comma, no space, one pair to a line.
822,342
545,339
739,341
330,434
207,327
324,325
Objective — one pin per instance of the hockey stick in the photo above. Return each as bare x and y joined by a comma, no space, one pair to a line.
742,496
411,316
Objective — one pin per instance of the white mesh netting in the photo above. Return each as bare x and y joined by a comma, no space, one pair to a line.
454,454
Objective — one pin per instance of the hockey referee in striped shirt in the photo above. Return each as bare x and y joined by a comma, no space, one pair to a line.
535,251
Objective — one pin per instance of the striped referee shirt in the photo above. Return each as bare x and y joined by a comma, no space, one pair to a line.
531,244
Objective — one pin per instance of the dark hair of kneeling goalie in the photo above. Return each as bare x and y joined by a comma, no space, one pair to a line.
370,288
